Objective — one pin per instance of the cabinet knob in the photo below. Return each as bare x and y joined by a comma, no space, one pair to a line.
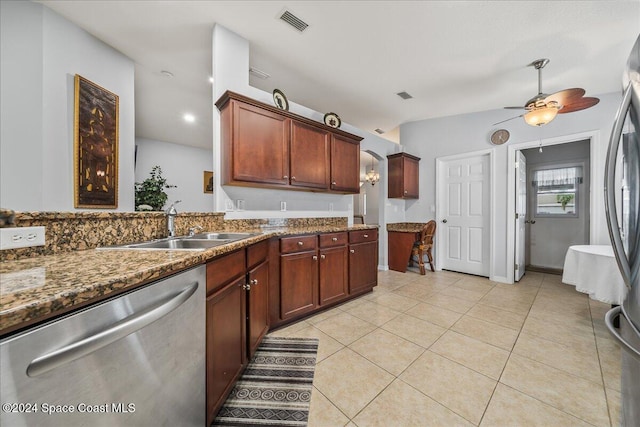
366,235
315,257
405,191
285,177
300,243
334,183
246,287
322,257
254,282
335,239
353,251
293,178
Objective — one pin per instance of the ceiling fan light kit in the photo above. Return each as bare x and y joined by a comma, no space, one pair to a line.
543,108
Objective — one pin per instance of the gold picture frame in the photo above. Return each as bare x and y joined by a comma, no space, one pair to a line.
95,146
207,181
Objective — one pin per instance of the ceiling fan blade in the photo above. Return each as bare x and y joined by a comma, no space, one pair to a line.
579,104
514,108
566,96
516,117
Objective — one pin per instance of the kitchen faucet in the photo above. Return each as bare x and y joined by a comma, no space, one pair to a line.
171,216
194,229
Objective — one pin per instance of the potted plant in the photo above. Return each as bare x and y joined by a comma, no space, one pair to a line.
150,194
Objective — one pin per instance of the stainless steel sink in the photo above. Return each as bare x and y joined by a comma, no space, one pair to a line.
197,242
223,236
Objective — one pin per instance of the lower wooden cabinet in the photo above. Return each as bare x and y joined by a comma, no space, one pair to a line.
237,318
363,267
333,275
226,338
298,284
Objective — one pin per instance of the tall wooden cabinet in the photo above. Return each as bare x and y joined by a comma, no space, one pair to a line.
403,176
263,146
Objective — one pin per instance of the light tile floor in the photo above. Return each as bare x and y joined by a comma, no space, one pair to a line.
448,349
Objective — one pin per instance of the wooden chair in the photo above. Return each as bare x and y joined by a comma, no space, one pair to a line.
424,246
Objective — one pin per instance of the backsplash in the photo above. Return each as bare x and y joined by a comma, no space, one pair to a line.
70,231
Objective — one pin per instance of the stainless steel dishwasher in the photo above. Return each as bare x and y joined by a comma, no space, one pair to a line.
135,360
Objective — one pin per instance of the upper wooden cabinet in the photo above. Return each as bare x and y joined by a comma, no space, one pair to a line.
263,146
403,176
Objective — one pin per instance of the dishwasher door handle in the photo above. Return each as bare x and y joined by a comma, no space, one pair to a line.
114,332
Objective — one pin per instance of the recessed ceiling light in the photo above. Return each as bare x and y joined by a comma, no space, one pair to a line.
189,118
166,73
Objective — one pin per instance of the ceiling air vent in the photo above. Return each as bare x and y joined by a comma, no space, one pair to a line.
404,95
380,131
294,21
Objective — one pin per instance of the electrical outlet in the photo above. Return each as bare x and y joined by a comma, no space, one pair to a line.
21,237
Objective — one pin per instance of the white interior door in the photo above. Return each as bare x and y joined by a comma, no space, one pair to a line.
464,214
521,214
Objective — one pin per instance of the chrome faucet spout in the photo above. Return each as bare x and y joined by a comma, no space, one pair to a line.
171,216
194,229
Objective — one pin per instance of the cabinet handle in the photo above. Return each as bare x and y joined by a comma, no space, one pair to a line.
315,257
254,282
285,177
322,257
353,251
335,239
300,243
366,235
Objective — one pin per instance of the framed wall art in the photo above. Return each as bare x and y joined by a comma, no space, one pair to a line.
208,182
95,146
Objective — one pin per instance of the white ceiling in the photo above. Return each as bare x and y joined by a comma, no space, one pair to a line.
454,57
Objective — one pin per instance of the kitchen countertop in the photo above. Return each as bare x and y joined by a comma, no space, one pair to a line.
40,288
406,227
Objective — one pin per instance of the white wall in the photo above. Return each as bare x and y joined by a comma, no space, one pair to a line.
182,166
430,139
40,54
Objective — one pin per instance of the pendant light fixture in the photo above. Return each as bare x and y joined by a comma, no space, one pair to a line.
372,176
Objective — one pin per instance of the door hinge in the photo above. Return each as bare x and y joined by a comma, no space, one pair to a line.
517,267
517,215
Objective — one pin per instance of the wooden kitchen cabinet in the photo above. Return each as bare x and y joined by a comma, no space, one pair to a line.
333,268
225,346
363,261
345,158
263,146
403,176
298,276
237,317
309,156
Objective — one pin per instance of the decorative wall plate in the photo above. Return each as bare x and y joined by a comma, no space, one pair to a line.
280,100
332,120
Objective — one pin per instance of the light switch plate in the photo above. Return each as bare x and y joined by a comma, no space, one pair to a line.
21,237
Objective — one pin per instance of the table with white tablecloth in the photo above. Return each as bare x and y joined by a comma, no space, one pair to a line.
592,269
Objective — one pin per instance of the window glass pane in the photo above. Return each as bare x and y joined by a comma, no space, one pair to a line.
556,191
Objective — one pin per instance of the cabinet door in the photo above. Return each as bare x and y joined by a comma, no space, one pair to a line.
333,274
309,156
225,347
363,267
257,306
345,164
410,177
298,284
260,145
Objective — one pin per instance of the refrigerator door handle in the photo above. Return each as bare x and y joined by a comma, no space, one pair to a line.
609,188
608,320
114,332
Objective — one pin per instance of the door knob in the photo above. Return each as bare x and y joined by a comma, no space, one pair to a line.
533,221
444,220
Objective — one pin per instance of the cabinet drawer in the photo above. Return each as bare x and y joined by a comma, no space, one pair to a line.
298,244
361,236
257,253
329,240
222,270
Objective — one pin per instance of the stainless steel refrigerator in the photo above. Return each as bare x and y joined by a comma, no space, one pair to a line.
622,198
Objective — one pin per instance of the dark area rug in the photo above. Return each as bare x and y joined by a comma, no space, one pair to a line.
275,388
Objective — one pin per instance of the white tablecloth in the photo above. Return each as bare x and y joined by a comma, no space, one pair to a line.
592,269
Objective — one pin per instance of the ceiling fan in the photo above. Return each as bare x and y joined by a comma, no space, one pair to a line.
543,108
